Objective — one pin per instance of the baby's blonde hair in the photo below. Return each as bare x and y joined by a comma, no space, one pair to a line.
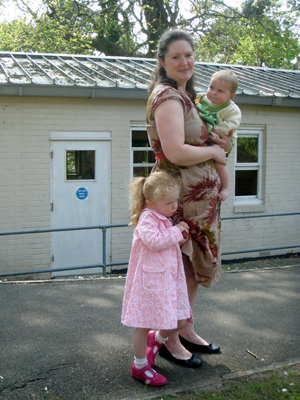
154,188
227,76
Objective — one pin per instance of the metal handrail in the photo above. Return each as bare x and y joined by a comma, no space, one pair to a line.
79,228
104,228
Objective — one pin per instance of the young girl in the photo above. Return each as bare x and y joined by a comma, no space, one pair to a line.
155,294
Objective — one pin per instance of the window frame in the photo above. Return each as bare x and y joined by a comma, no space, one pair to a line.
245,131
253,131
138,127
78,165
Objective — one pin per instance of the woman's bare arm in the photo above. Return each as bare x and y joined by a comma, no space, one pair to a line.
169,121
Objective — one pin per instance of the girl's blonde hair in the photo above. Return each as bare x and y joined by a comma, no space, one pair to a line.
154,188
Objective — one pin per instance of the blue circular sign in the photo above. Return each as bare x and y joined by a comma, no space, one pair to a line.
82,193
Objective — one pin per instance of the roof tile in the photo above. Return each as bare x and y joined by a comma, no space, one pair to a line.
133,73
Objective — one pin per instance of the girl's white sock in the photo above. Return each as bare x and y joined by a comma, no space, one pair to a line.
159,338
141,363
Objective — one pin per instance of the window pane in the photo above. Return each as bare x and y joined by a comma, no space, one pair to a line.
141,171
246,183
247,150
143,156
140,139
80,164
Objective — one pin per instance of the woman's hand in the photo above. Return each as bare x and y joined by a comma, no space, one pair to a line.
223,141
220,155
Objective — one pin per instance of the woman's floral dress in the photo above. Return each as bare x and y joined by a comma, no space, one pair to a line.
198,204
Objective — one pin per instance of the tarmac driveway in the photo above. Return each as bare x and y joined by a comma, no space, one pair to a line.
63,339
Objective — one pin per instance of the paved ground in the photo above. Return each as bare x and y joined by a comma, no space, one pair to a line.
63,339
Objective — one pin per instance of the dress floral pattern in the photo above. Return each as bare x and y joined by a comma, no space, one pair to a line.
198,205
155,293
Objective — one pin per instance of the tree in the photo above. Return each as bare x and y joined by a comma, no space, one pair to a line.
48,36
116,27
56,29
263,35
253,34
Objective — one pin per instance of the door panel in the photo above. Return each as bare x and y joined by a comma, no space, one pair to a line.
80,197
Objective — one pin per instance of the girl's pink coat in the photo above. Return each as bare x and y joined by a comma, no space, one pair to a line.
155,292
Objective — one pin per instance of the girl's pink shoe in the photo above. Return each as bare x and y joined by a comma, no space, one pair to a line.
156,380
151,343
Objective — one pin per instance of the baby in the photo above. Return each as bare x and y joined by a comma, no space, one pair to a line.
217,110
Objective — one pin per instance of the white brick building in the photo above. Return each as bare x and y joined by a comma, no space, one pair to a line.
69,110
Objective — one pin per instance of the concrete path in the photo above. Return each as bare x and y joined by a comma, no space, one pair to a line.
63,339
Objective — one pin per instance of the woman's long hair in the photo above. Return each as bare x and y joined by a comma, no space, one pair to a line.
159,73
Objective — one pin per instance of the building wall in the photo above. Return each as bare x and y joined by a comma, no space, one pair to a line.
25,125
280,184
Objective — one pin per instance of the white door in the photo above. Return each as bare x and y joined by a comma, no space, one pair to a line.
80,182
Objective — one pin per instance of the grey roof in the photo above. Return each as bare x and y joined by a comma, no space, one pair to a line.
31,74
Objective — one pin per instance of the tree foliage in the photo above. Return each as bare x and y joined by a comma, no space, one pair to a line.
259,32
263,35
18,35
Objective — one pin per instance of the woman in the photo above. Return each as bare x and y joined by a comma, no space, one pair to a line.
179,139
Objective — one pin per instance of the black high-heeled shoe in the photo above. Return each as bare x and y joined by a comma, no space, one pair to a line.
201,348
193,362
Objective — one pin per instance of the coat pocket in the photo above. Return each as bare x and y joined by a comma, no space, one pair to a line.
154,279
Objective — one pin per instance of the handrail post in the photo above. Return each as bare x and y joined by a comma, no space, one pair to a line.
104,249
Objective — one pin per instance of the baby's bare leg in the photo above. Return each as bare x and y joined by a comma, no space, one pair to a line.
223,173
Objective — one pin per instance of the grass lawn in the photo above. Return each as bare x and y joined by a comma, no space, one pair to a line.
281,384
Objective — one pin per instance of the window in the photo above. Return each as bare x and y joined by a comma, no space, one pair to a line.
248,164
248,161
142,155
80,164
